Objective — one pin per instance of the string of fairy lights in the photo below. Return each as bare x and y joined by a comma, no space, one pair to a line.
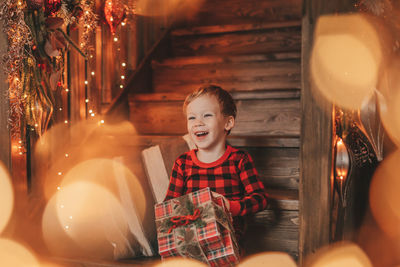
90,73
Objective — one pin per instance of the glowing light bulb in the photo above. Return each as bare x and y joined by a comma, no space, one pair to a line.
123,23
87,100
86,82
121,86
92,73
66,155
59,173
122,77
66,90
102,121
60,109
65,121
123,64
92,114
115,39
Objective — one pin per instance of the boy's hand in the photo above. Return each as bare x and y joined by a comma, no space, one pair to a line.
226,201
232,205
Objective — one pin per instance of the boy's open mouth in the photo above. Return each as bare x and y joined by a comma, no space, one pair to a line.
202,133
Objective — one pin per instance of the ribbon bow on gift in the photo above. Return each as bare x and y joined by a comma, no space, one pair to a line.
184,220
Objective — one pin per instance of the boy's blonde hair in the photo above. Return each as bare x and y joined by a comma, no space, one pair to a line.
225,100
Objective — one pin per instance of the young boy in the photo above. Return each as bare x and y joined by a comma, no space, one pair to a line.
210,113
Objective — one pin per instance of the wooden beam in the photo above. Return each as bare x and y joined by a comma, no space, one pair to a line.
5,142
316,141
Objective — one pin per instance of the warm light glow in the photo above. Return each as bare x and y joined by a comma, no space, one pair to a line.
86,82
87,100
123,64
340,255
115,39
98,224
122,77
180,262
270,259
346,58
65,121
92,114
92,73
66,90
121,86
385,197
342,159
66,155
389,100
6,197
14,254
90,111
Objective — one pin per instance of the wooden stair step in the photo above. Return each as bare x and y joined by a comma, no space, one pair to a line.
273,230
268,117
277,227
216,12
240,42
278,168
175,62
237,95
145,141
231,28
283,199
232,76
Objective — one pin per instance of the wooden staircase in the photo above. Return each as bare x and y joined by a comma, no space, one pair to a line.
252,49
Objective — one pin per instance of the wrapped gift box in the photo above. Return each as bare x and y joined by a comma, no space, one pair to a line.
195,225
228,255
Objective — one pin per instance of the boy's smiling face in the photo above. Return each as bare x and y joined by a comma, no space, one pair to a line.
206,124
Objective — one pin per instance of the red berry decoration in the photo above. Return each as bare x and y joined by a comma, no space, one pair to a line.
51,6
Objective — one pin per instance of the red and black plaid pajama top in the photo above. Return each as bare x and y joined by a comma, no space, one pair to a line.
233,176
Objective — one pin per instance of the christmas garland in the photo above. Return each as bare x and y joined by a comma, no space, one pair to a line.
34,61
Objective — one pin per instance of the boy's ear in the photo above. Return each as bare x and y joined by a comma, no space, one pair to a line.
230,122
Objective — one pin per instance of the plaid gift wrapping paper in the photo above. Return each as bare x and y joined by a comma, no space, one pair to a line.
228,255
192,225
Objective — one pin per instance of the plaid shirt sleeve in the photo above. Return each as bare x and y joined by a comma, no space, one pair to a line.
176,182
255,198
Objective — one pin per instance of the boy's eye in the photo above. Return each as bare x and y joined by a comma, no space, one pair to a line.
208,115
190,118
